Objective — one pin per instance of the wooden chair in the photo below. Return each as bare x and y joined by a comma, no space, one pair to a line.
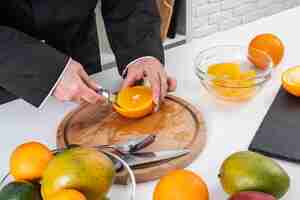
166,9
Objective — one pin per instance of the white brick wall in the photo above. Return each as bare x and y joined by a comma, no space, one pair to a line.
210,16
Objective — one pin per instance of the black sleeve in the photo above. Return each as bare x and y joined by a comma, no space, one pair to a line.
28,68
133,29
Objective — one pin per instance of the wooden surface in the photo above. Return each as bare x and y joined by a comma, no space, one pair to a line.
178,125
165,8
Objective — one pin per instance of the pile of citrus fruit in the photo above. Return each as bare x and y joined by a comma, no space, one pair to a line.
73,174
134,102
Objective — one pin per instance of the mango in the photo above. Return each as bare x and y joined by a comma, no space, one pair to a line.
252,196
249,171
86,170
20,190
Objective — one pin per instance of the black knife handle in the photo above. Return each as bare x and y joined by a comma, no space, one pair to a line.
149,140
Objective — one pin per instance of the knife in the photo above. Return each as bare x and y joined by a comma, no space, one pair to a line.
131,146
111,97
142,158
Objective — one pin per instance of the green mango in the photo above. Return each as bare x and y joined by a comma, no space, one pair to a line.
249,171
20,191
87,170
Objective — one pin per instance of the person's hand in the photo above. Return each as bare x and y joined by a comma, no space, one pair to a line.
152,70
77,86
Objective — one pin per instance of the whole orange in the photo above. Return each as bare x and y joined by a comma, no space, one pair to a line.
28,161
181,185
67,194
269,44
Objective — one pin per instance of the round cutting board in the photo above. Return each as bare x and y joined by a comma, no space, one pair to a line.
178,125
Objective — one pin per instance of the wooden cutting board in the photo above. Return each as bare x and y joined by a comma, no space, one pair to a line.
178,125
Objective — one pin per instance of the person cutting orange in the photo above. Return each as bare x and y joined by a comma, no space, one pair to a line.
49,47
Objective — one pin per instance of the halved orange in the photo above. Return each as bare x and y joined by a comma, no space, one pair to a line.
134,102
291,81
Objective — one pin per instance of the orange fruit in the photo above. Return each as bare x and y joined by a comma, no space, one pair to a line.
67,194
181,184
268,43
235,84
28,161
134,102
224,70
291,81
247,78
259,58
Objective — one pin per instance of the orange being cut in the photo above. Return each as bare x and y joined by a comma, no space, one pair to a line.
29,160
270,45
67,194
181,184
291,81
134,102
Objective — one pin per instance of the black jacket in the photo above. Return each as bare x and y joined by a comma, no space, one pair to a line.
29,68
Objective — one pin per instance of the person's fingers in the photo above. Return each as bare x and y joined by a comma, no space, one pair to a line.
90,95
90,82
154,79
132,77
172,84
77,99
60,95
163,84
93,84
73,97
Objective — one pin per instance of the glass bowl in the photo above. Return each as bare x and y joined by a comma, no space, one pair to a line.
124,192
229,89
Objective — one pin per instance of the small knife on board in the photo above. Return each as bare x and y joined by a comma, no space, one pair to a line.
143,158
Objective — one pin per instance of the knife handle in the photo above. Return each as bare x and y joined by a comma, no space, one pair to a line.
146,142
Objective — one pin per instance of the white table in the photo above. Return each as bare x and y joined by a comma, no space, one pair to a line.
230,128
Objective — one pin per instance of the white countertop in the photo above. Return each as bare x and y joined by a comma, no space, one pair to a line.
230,128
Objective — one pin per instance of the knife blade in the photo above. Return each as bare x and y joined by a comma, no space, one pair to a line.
142,158
111,97
131,146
